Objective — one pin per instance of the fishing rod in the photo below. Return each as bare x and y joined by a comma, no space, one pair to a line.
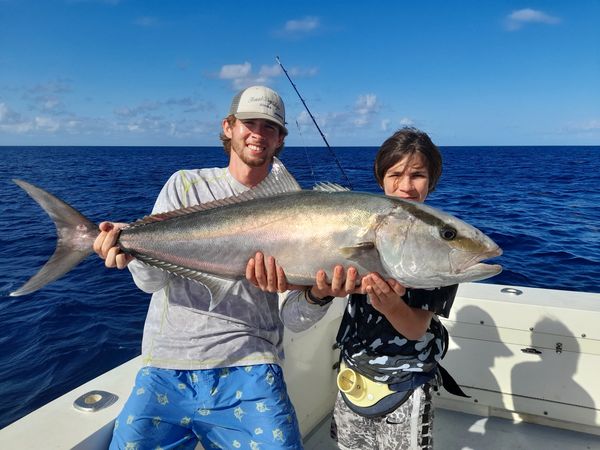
315,122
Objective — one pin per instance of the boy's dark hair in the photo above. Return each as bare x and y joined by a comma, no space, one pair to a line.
406,142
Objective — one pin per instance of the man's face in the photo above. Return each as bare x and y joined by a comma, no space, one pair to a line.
253,141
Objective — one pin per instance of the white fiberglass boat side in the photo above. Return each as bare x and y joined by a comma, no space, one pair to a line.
527,357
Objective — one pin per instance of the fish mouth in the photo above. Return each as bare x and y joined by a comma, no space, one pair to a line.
479,271
473,267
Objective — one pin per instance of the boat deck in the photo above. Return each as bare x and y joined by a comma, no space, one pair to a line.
557,393
455,430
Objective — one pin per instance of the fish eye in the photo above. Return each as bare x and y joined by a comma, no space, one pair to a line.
448,233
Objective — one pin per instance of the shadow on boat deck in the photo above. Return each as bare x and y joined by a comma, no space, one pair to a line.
455,430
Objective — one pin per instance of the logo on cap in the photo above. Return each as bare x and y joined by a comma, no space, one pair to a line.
259,102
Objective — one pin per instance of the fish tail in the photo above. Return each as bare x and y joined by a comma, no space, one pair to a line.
75,237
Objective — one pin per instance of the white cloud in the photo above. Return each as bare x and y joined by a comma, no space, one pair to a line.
275,71
360,115
299,72
241,75
143,120
73,125
365,108
360,121
517,19
303,118
59,86
241,83
7,115
299,28
47,124
185,104
145,107
47,97
51,103
591,125
189,104
233,71
270,71
304,25
366,104
17,128
327,122
354,121
11,121
386,124
158,126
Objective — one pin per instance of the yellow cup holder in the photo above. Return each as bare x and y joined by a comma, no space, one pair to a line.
359,389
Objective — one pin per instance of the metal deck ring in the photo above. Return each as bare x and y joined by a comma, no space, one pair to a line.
94,401
511,291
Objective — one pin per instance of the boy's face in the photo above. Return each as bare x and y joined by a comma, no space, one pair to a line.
254,141
408,178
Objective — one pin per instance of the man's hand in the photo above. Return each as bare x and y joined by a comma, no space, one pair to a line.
106,247
342,283
266,275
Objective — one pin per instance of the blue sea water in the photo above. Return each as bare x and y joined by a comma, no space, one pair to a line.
541,204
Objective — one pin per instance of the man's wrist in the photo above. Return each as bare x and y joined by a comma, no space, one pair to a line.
314,300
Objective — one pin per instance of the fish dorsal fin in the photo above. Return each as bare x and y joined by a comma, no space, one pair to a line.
329,187
279,181
217,286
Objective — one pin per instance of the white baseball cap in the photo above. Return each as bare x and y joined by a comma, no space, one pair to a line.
259,102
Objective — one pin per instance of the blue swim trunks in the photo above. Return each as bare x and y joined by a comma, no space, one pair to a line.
238,407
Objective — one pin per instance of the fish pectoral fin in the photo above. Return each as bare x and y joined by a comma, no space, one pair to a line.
365,255
358,250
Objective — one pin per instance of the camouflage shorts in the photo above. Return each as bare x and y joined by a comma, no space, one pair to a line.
407,428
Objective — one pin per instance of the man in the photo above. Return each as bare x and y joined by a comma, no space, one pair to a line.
213,374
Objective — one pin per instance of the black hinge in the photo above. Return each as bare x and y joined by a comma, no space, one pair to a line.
531,350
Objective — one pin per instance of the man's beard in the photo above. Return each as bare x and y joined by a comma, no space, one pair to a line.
254,161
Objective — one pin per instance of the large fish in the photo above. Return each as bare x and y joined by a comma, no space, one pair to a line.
305,230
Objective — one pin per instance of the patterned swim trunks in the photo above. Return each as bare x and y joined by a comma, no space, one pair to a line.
238,407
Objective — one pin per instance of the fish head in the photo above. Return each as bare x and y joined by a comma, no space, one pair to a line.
425,248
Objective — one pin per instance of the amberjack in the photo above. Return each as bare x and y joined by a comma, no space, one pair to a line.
305,230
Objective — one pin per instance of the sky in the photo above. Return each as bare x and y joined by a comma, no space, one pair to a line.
145,73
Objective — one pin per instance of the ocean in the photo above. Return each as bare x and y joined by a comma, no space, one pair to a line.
540,204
